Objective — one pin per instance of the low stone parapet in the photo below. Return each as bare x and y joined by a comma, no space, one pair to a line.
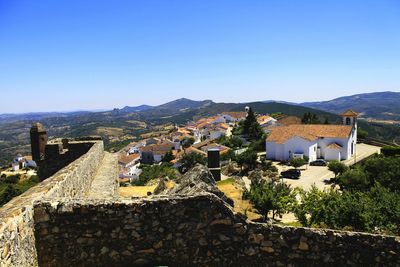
17,240
196,230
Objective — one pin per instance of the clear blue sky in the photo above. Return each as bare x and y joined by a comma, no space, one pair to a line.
92,54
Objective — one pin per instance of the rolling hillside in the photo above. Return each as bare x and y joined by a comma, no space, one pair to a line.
121,126
380,105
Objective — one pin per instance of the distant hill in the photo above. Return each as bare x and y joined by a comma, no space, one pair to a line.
380,105
10,117
183,104
211,108
137,108
120,126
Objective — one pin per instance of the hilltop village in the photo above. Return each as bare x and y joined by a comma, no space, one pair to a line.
192,195
275,137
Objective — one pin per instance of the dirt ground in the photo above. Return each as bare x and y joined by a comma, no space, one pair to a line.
140,191
235,193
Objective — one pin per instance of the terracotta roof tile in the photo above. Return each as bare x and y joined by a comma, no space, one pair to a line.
349,113
334,146
125,159
309,132
289,120
236,115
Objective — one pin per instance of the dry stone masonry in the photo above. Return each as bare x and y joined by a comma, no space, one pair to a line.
17,241
199,230
75,218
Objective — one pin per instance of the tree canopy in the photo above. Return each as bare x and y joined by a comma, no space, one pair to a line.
189,160
311,118
277,198
247,159
250,127
337,167
297,162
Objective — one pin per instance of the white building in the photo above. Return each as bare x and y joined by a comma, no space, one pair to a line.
129,166
234,116
330,142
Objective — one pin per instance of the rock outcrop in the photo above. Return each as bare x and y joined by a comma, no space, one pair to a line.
196,181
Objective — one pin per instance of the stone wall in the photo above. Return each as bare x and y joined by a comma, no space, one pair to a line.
188,231
17,241
60,153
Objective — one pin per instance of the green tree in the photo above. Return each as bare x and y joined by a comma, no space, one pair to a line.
267,165
277,198
354,179
361,134
168,157
310,118
230,155
150,172
232,141
247,159
307,209
187,142
189,160
6,194
297,162
251,127
377,210
337,167
258,144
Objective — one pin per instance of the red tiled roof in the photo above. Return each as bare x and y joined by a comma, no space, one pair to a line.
334,146
236,115
125,159
158,147
309,132
349,113
289,120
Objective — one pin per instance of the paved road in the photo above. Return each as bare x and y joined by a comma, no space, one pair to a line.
319,175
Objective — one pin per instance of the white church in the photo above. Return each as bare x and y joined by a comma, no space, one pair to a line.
315,141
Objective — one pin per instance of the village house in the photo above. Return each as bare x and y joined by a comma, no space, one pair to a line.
209,144
215,131
154,153
234,116
20,162
129,166
266,122
315,141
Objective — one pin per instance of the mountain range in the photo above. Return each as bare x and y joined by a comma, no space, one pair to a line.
380,105
119,126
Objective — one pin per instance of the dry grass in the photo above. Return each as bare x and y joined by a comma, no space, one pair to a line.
110,131
136,191
141,191
140,124
234,192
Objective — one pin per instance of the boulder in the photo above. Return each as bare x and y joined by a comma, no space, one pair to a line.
196,181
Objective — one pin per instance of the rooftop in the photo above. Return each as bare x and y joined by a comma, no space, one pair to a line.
309,132
349,113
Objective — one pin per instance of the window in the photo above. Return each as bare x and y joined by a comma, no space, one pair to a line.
348,121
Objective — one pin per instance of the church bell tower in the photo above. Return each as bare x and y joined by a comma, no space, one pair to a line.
349,118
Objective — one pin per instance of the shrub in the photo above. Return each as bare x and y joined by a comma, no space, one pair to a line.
389,151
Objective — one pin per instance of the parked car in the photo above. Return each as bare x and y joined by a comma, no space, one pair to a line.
291,173
318,162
